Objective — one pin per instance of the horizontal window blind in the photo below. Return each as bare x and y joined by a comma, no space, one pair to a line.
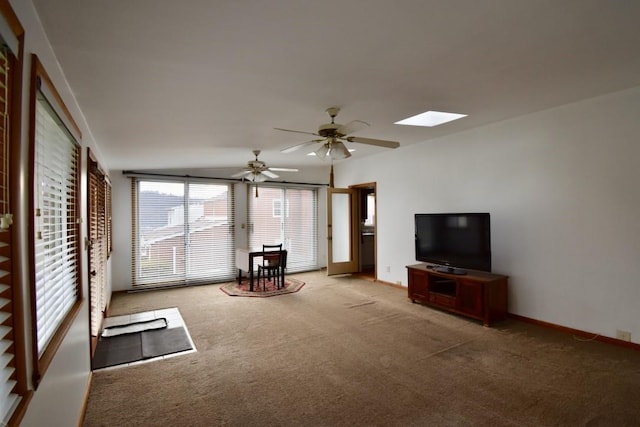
109,213
13,383
210,233
8,397
56,175
182,232
286,215
98,246
301,228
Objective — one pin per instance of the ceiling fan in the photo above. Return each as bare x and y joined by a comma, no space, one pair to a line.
333,135
257,170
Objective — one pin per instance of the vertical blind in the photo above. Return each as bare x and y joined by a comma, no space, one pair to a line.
56,178
286,215
183,232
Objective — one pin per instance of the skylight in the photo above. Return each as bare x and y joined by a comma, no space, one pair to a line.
431,118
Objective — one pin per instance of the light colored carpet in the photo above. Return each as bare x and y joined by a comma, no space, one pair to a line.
349,352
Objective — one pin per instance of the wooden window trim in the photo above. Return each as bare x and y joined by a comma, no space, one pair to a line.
41,363
16,292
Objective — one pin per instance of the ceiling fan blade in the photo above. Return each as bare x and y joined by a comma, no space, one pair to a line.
284,169
352,126
240,174
370,141
299,146
297,131
269,174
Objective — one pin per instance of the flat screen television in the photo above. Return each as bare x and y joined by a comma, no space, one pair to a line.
454,242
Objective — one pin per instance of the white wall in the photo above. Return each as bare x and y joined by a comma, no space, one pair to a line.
60,395
562,187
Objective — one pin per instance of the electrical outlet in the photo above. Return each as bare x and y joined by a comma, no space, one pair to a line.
388,269
623,335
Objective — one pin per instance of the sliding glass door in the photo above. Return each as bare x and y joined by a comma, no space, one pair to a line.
182,232
286,215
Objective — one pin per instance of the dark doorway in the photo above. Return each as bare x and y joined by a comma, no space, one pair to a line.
367,230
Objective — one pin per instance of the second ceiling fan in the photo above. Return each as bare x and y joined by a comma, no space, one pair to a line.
257,170
333,135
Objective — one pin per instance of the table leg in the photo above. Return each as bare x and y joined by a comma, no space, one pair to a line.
250,272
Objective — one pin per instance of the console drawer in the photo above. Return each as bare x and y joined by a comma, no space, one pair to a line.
441,299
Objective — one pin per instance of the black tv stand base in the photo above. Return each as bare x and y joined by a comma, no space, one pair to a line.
450,270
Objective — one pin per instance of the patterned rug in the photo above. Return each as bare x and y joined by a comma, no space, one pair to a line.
242,290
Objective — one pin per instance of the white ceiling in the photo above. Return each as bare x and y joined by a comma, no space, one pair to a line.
201,83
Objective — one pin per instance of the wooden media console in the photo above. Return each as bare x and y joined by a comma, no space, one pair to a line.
476,294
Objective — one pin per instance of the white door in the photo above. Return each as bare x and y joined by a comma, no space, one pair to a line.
342,231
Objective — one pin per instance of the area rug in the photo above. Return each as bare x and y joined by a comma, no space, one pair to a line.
137,346
134,327
242,290
142,337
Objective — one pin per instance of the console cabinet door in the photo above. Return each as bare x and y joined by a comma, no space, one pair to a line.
418,285
469,297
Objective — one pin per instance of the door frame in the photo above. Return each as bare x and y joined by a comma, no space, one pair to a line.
362,191
356,191
351,264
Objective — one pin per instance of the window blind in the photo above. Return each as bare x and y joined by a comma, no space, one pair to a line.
286,215
56,198
98,245
109,213
13,384
183,232
8,397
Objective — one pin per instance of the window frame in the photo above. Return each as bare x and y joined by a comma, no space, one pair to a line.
187,230
276,209
40,82
287,224
15,294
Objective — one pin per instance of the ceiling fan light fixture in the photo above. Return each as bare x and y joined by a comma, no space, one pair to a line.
256,177
338,151
257,170
323,151
331,135
259,177
313,153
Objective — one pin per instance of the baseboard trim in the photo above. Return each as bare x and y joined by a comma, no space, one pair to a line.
577,332
564,329
393,285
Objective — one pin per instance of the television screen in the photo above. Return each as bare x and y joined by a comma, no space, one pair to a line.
455,240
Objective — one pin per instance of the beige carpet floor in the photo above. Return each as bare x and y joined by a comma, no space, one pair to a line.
350,352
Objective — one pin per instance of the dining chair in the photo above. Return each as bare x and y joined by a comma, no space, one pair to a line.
271,267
